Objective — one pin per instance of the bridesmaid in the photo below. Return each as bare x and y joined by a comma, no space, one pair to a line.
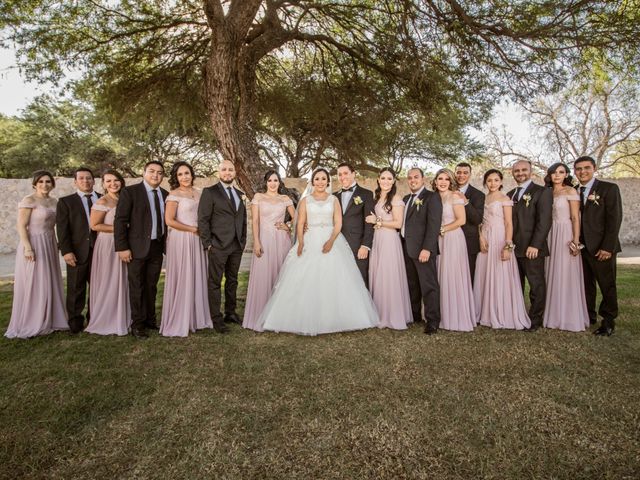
271,243
38,303
387,273
566,307
185,306
109,293
457,307
498,295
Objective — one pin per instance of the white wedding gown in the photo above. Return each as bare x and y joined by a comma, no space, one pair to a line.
319,292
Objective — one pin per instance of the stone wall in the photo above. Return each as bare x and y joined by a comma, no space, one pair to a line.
14,189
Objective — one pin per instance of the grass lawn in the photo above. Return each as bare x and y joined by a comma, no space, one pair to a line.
372,404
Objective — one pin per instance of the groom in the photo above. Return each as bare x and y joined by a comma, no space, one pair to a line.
419,234
222,222
356,203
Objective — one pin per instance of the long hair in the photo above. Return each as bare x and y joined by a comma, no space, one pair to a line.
453,186
173,176
115,173
282,190
387,201
568,181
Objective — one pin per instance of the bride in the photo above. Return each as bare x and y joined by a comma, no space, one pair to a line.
319,289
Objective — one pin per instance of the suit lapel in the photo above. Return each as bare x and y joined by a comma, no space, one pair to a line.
353,195
413,205
223,192
80,206
145,195
240,202
589,192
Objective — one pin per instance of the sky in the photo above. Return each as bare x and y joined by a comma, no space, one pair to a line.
16,93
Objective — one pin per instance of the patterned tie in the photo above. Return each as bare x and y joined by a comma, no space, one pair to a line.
156,203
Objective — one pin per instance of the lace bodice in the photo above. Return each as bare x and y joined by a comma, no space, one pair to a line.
320,212
448,215
561,209
187,211
42,219
111,213
383,214
271,211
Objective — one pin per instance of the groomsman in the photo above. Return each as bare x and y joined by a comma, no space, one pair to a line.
474,210
139,233
419,233
356,203
76,240
532,208
601,208
222,222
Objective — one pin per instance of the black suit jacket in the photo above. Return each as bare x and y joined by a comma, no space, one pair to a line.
474,211
354,228
74,232
601,221
132,224
532,222
218,221
422,224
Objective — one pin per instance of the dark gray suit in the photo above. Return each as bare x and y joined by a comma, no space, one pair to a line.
531,225
421,229
223,232
599,230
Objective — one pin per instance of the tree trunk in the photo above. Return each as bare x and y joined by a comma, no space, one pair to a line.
230,84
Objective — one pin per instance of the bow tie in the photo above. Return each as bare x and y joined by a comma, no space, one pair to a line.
348,189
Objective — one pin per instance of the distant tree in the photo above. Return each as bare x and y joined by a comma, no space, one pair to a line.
597,116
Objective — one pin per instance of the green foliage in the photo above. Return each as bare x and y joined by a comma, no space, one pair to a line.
389,81
58,136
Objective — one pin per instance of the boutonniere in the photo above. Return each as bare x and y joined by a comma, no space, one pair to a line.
357,200
418,203
594,197
243,197
527,198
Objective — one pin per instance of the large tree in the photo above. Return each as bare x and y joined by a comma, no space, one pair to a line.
145,52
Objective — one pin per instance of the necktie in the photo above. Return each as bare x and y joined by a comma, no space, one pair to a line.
516,196
410,202
406,210
156,203
89,198
233,202
582,190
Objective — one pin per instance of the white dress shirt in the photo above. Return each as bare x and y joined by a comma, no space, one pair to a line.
85,203
152,205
